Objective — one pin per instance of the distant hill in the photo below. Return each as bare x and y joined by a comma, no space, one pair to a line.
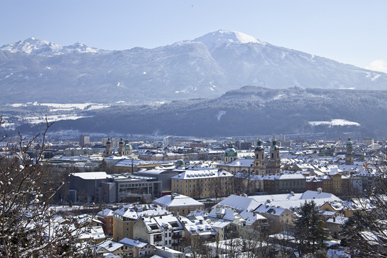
247,111
209,66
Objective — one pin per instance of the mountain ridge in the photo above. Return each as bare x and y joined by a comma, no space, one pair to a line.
183,70
248,111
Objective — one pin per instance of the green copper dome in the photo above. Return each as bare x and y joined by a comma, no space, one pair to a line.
349,143
259,145
274,145
128,147
230,151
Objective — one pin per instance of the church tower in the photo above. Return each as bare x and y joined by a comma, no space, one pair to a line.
108,150
274,162
349,153
121,147
259,160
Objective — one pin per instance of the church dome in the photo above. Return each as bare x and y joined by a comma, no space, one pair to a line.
259,145
349,143
274,145
230,151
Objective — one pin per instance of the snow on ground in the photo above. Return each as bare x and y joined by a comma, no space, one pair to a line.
64,107
334,122
54,118
220,114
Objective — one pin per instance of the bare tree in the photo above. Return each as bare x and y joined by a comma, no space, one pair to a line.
29,226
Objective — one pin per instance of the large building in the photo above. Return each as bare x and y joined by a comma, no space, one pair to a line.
84,140
262,164
267,165
101,187
208,183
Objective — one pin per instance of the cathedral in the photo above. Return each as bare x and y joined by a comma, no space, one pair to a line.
267,165
262,164
124,149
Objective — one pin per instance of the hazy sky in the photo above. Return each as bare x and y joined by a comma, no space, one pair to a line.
349,31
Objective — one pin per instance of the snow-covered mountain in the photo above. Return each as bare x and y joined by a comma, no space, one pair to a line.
33,46
37,70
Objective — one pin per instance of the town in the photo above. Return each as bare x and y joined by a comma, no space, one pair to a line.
186,197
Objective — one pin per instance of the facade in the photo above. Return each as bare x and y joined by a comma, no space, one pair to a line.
262,164
106,216
209,183
110,247
288,183
313,183
84,140
124,149
163,230
267,165
239,166
337,184
109,149
98,187
135,248
162,175
125,218
279,218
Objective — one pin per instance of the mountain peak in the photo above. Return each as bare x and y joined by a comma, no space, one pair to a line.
222,37
33,46
30,46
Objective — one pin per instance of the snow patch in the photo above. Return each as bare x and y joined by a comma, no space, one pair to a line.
334,122
223,37
220,114
8,75
375,77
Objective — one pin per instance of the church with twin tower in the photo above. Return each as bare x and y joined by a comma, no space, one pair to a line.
263,165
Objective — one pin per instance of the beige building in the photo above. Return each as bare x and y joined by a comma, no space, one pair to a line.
125,218
163,230
210,183
179,204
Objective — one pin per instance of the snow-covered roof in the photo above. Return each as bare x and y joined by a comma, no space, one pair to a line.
177,200
106,213
132,242
240,163
250,217
273,210
239,202
203,173
290,201
92,175
137,211
109,245
95,232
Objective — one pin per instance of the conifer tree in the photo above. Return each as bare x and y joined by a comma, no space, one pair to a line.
309,229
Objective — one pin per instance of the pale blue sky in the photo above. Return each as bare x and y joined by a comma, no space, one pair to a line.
349,31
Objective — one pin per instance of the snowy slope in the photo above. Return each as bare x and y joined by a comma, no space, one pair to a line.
38,70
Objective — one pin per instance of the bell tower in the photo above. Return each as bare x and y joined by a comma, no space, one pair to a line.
274,162
259,159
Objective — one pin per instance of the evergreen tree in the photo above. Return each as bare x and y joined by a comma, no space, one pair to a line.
309,229
366,230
